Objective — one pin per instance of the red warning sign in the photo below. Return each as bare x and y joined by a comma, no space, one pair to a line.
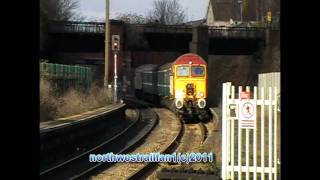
245,95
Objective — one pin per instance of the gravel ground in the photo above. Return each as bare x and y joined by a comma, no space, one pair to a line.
207,147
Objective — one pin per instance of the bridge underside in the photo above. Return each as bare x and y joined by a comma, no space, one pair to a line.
168,42
216,46
156,42
75,42
233,46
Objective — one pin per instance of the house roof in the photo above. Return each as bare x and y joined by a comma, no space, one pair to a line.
224,10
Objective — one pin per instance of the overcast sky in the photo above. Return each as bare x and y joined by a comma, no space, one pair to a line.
95,9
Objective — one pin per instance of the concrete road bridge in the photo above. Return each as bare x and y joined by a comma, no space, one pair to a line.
208,39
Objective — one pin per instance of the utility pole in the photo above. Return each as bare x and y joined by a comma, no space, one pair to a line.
106,55
240,3
257,10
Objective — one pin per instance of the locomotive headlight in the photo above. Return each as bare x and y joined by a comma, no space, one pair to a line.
201,94
201,103
179,103
180,94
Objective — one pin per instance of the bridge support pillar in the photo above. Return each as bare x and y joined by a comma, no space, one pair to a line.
200,41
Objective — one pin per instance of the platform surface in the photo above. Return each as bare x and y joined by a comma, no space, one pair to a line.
78,118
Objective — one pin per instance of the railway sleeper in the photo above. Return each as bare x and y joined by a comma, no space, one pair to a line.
193,114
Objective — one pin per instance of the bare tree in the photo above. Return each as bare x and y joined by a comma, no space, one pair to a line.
134,37
131,18
166,12
66,8
59,10
79,17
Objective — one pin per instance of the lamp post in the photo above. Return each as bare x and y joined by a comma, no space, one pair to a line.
106,55
240,3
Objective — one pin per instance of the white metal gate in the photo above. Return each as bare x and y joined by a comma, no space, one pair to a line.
256,121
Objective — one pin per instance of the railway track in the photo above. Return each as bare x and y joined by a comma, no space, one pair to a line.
79,167
162,139
195,138
192,138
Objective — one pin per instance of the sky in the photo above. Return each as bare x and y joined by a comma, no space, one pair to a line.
95,9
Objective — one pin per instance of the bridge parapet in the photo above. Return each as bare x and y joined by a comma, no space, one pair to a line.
213,31
151,28
236,32
76,27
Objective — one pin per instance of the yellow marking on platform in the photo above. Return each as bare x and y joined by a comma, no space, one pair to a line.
86,113
89,112
70,117
73,118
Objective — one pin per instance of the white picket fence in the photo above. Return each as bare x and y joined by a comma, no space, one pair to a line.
253,159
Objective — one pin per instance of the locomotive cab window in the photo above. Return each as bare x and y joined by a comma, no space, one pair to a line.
183,70
198,71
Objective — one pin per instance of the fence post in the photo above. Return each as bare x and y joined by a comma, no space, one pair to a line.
225,151
224,118
270,133
262,133
255,137
239,141
232,135
275,134
247,144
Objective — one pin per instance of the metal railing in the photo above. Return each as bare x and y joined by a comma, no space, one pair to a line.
157,28
76,27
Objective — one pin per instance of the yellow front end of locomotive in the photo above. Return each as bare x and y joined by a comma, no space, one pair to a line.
190,84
